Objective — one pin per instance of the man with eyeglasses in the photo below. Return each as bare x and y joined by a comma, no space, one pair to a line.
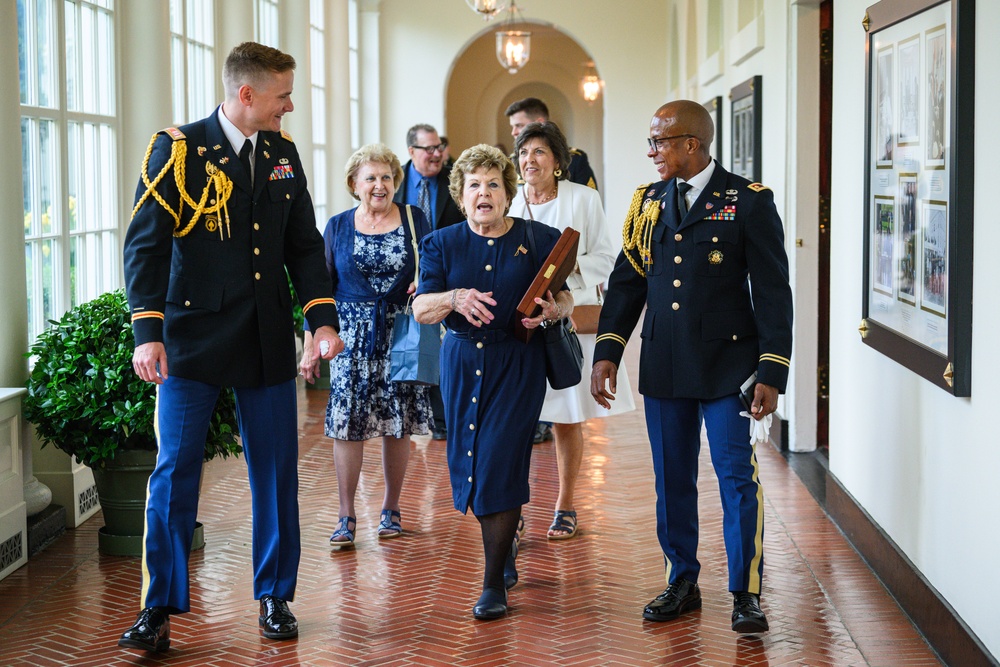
694,244
425,185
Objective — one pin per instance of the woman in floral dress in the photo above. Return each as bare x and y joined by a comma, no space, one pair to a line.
370,255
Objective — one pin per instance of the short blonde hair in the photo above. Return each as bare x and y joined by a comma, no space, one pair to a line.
482,156
249,63
372,153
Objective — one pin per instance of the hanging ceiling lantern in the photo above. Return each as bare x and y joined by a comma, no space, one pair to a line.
487,8
513,46
591,84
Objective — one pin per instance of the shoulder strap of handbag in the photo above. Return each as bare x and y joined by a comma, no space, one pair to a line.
413,241
531,242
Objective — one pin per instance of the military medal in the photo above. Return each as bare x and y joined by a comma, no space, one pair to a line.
715,257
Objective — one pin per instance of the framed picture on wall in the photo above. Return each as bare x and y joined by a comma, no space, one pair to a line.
745,128
919,141
714,108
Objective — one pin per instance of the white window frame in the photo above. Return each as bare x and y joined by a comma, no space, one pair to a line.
79,186
267,24
194,84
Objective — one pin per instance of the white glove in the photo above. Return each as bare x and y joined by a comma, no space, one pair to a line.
759,430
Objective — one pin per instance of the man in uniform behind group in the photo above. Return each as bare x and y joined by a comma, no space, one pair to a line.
222,211
693,244
533,110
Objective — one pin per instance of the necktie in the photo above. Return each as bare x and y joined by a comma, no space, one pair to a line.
245,153
682,206
424,201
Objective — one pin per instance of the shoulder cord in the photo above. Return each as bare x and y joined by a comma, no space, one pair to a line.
637,231
216,177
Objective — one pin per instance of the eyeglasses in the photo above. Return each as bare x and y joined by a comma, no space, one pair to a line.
440,148
655,142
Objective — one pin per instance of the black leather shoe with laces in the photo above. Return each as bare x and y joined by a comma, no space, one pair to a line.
276,621
747,616
679,598
150,632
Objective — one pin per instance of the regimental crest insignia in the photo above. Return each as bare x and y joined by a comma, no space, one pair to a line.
211,223
715,257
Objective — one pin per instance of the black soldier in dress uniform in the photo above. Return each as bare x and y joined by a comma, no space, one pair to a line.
694,243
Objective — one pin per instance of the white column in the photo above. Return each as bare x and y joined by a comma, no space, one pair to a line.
338,102
369,48
295,40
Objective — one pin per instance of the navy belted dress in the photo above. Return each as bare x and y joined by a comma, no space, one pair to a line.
493,384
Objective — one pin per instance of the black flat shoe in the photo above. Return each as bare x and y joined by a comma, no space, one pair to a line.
747,616
276,621
150,632
679,598
510,567
492,604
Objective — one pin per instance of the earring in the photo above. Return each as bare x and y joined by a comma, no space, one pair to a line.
557,173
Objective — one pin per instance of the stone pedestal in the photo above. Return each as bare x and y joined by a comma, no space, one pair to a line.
13,512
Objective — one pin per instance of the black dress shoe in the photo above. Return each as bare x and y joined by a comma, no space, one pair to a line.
439,434
510,567
492,604
276,620
679,598
747,616
150,632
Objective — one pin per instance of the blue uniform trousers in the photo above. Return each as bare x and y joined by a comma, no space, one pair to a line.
268,426
674,427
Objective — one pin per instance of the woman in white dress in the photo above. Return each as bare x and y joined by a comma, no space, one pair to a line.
543,156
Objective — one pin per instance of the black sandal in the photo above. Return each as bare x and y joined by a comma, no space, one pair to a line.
563,525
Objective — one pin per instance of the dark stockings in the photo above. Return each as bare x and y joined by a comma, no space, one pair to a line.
498,535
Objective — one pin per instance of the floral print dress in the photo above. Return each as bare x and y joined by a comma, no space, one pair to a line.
363,402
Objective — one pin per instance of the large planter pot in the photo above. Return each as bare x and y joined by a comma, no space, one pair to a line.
121,489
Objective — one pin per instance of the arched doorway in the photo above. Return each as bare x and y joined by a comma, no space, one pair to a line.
479,89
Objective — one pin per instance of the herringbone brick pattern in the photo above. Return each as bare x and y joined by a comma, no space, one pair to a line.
408,601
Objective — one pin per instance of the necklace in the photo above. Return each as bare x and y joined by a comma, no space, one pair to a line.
375,222
546,198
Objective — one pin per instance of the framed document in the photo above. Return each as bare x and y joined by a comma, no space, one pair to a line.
714,108
919,140
745,129
557,267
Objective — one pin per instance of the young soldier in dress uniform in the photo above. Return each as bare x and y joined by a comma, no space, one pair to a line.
221,210
691,259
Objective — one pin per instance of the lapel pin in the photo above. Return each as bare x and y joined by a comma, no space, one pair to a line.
267,143
201,150
716,194
224,160
216,147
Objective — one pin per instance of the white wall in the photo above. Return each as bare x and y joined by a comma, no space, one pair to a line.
923,463
420,39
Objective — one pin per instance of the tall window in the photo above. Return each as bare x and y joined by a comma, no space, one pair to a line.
266,16
317,81
69,150
354,65
192,54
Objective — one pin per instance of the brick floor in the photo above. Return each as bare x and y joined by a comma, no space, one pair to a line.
407,601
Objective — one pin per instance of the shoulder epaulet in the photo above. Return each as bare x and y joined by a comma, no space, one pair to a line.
643,187
575,151
286,136
174,133
757,187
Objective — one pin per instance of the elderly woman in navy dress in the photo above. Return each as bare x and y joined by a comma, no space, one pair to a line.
472,277
369,253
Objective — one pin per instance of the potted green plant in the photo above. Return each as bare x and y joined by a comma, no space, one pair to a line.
84,398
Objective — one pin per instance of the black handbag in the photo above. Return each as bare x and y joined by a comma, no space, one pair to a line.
563,353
